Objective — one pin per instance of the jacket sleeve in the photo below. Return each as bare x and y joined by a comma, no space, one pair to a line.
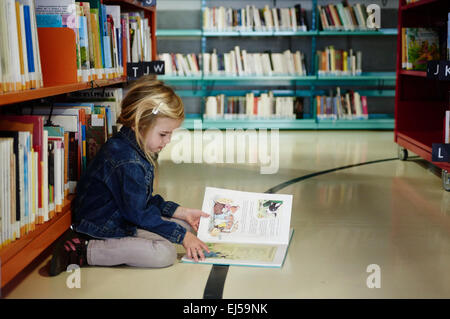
131,197
167,207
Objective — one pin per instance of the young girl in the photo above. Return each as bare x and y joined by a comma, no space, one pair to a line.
116,218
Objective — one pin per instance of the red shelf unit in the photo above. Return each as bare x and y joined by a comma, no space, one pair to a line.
420,103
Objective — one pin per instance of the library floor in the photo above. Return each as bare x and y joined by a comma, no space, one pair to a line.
394,214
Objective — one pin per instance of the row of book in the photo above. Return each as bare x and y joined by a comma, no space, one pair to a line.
349,105
250,18
235,63
333,61
106,39
264,106
43,155
20,64
104,35
343,17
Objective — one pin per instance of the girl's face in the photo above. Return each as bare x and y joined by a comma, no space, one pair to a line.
160,134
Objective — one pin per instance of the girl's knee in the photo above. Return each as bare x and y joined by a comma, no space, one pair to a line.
164,255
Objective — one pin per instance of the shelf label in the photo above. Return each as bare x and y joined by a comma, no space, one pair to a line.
136,70
438,70
440,152
149,3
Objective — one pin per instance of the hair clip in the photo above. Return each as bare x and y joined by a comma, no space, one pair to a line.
156,109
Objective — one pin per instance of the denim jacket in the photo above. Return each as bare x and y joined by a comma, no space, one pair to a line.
114,195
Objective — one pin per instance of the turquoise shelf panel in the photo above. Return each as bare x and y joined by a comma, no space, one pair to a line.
260,124
259,33
200,33
179,33
381,32
304,124
370,124
180,79
189,92
258,78
363,76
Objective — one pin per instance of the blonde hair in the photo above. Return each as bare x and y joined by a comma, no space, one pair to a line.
147,100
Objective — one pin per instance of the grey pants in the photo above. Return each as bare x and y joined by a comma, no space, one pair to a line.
146,249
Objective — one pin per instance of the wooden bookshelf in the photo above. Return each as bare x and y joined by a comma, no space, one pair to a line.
18,254
420,102
57,52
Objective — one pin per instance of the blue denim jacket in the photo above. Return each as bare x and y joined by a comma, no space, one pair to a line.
114,195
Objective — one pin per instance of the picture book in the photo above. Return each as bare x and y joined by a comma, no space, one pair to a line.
244,228
422,45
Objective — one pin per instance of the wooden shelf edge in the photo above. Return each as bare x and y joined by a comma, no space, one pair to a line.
20,96
19,254
422,74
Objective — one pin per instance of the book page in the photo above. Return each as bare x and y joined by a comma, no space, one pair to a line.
245,217
254,255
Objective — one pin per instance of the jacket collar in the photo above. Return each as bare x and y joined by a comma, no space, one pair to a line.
129,135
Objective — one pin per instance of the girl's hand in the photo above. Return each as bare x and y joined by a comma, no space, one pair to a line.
190,215
194,247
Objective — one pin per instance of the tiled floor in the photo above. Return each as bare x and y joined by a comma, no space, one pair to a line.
392,214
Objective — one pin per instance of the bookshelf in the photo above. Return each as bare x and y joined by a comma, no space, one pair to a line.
57,49
374,83
420,103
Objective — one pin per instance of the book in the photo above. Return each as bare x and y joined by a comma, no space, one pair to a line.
447,127
245,228
422,45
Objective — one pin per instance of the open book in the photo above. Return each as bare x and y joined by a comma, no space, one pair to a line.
247,229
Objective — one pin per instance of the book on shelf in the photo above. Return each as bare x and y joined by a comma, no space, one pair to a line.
8,224
248,107
20,64
447,127
419,45
339,62
106,37
50,150
348,106
237,62
245,228
342,17
448,37
251,18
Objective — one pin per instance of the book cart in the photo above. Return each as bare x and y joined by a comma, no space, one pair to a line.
421,102
59,71
373,84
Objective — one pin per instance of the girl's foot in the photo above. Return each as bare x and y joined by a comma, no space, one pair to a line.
70,249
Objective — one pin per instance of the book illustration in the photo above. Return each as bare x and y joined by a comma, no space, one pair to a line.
224,218
261,253
422,46
268,208
245,228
